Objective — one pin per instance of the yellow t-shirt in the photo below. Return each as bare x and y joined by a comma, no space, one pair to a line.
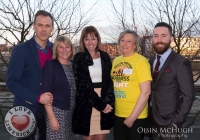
127,73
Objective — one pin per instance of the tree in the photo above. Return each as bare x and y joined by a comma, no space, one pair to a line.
16,18
141,16
184,17
123,17
127,15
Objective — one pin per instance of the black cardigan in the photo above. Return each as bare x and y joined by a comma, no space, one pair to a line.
86,97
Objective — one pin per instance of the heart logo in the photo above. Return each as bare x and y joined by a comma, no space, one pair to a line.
20,123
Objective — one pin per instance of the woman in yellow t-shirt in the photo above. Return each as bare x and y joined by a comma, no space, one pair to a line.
132,86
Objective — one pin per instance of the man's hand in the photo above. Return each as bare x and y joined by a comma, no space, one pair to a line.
174,125
46,98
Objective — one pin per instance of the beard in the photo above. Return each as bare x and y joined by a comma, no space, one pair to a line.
160,50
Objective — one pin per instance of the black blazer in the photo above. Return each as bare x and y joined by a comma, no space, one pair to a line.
54,80
173,92
86,97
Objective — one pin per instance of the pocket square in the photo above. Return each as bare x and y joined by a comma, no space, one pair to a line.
168,70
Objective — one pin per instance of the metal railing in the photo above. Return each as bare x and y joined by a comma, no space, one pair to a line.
6,101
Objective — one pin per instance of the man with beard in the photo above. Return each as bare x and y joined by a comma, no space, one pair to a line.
172,86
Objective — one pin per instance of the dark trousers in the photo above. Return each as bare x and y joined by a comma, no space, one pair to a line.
161,132
122,132
166,133
41,124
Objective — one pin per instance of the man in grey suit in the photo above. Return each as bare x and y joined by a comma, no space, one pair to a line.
172,86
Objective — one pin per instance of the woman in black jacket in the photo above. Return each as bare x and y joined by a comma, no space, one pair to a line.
93,114
58,79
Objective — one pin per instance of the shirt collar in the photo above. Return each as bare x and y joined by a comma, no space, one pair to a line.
39,48
166,54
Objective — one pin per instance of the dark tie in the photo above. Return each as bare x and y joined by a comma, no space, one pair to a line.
156,70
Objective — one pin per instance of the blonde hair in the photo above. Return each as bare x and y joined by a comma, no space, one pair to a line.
66,41
135,36
85,32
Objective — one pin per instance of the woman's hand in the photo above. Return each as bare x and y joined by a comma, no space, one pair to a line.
107,109
54,124
128,122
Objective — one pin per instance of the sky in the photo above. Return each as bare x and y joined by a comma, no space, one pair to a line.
101,22
104,9
101,10
105,12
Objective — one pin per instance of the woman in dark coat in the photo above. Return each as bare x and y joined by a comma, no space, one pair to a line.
93,114
58,79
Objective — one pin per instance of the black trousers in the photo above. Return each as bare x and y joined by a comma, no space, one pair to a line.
41,124
122,132
169,132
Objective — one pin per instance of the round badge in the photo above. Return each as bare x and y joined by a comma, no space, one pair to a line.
20,122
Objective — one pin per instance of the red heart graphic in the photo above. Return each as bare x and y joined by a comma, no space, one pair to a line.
20,123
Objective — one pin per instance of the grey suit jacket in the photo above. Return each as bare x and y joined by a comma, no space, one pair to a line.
173,91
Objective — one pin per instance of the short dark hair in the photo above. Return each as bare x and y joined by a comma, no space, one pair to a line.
163,24
43,13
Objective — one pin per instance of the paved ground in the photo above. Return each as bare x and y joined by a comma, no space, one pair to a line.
191,119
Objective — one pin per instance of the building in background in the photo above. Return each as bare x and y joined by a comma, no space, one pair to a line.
146,46
190,47
4,47
111,49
